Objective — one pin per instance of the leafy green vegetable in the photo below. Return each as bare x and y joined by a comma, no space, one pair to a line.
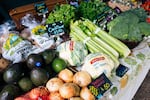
91,9
63,12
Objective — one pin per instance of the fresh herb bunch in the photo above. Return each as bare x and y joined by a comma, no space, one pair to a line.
91,9
63,12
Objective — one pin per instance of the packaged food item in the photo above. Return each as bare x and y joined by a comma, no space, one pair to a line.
98,63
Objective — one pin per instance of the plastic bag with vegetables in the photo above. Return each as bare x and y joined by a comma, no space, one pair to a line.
97,63
14,48
73,52
38,32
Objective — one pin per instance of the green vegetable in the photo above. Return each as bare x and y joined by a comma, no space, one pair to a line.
63,12
144,28
91,9
73,52
121,48
98,40
130,25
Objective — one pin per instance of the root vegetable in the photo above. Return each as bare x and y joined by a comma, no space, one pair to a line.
75,98
55,96
86,94
54,84
66,75
82,78
69,90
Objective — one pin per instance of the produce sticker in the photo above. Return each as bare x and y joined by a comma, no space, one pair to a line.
99,86
56,28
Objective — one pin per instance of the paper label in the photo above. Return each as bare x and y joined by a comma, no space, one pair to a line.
100,85
56,28
121,70
41,8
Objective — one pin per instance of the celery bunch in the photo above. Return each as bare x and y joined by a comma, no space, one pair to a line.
98,40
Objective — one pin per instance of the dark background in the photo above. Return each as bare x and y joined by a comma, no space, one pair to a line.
7,5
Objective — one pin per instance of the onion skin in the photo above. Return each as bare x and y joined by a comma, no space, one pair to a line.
54,84
75,98
82,78
86,94
55,96
66,75
69,90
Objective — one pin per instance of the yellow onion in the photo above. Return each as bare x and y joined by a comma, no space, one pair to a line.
54,84
66,75
69,90
82,78
55,96
75,98
86,94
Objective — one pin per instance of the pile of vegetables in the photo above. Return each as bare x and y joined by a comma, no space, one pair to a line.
63,12
66,86
130,25
98,40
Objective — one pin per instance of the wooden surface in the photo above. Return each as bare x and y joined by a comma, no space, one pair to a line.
17,13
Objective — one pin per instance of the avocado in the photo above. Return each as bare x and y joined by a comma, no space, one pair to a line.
13,73
39,76
48,55
35,60
25,84
9,92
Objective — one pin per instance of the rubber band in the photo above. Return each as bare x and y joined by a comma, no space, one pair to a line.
97,30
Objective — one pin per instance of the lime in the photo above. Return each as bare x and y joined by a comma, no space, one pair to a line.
58,64
25,84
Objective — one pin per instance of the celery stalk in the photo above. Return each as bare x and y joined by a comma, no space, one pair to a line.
120,47
106,46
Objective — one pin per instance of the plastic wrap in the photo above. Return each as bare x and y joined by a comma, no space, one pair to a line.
36,32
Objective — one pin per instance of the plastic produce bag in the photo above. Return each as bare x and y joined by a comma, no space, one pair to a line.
97,63
37,32
73,52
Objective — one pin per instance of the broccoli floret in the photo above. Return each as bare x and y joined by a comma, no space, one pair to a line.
120,31
144,28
